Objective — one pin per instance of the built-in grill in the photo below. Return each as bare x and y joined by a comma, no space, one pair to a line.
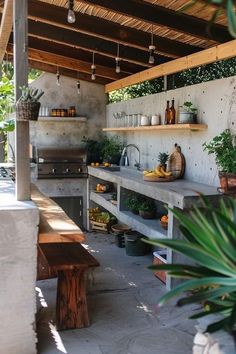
62,163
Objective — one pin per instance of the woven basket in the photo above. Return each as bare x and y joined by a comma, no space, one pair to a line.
27,110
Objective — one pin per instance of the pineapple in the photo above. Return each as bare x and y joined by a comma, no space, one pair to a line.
163,158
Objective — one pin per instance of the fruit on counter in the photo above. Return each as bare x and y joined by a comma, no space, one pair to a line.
164,218
157,172
97,164
92,164
102,187
95,214
107,164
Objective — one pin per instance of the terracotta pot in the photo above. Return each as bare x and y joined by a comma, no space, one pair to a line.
227,183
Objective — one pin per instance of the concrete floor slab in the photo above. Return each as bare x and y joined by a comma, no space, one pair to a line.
122,300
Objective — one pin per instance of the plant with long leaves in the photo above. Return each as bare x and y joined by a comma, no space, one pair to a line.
210,242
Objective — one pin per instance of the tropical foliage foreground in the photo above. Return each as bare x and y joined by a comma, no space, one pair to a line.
210,242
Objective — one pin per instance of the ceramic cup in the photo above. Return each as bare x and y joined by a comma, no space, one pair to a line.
145,120
155,120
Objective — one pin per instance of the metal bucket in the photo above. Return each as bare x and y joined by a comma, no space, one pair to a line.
134,245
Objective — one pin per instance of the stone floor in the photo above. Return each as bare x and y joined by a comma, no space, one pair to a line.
122,301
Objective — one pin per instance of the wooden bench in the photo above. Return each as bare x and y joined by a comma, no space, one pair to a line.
61,255
70,261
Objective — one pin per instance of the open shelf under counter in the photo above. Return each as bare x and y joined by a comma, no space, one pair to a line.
170,127
149,228
62,119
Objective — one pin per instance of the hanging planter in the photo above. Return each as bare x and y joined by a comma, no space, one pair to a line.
27,107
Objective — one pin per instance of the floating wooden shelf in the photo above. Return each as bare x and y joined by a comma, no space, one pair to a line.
62,119
159,127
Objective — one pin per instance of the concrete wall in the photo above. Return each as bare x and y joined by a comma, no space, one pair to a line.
18,256
216,103
90,103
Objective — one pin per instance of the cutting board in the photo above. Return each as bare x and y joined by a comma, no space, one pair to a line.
177,163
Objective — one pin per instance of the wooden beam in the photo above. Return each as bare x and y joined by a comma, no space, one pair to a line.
66,72
70,52
70,63
90,43
20,79
6,27
207,56
91,25
162,16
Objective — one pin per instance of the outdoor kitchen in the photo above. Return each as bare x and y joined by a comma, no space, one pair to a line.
117,177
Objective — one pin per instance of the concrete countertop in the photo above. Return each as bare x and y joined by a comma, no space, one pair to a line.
8,200
180,193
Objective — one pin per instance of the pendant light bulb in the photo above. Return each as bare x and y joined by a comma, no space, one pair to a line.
151,59
78,87
58,78
117,59
93,68
71,15
151,49
117,65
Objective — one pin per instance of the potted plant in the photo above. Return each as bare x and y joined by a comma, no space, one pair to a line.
209,241
224,149
28,105
147,209
133,202
93,148
163,158
187,113
111,148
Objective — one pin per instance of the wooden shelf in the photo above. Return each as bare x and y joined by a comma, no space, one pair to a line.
193,127
150,228
62,119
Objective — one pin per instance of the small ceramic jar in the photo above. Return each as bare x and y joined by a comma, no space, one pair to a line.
155,120
145,120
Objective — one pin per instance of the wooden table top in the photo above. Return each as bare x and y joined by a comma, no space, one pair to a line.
67,255
54,224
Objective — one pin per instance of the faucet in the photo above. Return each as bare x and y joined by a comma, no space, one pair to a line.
124,161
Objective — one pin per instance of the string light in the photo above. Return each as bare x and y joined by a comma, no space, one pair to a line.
93,67
58,77
151,48
71,15
118,59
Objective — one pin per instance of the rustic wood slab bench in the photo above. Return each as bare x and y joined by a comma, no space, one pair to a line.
70,261
61,255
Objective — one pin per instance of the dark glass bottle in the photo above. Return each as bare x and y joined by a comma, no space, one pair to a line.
167,112
172,113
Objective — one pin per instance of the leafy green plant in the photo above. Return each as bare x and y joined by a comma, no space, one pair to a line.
30,94
163,158
210,242
224,149
93,148
189,107
148,205
111,148
133,202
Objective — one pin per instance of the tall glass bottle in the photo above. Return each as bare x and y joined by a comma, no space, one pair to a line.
167,112
172,113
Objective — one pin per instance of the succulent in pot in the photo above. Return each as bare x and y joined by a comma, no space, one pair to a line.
28,105
224,149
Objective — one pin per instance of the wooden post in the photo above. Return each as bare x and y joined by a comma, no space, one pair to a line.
20,9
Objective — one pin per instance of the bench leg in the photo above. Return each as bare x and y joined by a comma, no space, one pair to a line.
71,307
